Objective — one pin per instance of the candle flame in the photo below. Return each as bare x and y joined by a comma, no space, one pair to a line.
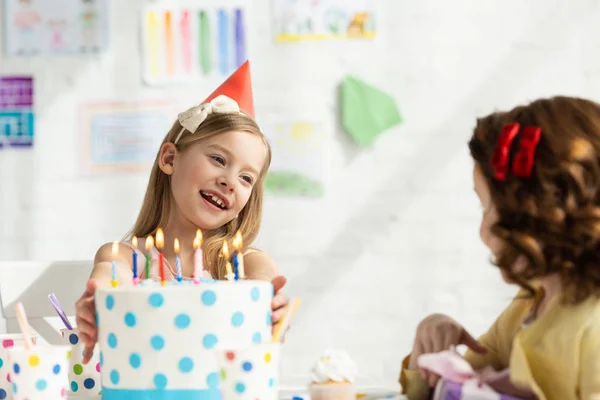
176,246
149,242
199,237
237,241
160,239
134,242
115,248
225,250
197,243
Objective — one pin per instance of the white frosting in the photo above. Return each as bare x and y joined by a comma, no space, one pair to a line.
254,367
154,336
336,366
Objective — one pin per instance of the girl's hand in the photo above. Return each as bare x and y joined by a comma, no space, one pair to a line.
437,333
85,312
280,301
500,382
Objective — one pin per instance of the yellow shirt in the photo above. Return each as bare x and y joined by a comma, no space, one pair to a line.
557,356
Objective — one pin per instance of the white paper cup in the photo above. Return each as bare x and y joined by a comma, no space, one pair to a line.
84,379
6,342
39,373
250,373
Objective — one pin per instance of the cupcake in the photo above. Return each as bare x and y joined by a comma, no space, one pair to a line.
333,377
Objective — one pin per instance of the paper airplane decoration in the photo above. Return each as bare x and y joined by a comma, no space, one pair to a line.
366,110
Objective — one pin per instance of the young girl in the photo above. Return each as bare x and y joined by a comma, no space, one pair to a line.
208,174
537,175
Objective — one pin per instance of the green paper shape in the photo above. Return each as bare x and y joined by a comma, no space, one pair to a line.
292,184
366,110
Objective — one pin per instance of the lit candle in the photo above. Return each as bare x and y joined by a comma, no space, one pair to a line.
149,246
225,253
238,257
115,251
177,260
198,267
160,242
134,244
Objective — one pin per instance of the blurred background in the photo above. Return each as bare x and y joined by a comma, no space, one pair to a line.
373,220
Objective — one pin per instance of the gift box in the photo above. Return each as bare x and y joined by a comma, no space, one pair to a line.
469,390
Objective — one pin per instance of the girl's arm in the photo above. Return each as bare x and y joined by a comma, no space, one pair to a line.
102,272
259,265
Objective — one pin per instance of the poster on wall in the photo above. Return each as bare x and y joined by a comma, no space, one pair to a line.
42,27
305,20
299,158
16,111
123,136
183,45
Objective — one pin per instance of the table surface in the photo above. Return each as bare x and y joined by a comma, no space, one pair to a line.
364,393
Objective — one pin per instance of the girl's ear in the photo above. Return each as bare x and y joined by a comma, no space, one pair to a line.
166,158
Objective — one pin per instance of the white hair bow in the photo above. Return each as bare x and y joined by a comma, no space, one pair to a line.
192,118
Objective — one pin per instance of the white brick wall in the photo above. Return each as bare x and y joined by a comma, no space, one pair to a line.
396,237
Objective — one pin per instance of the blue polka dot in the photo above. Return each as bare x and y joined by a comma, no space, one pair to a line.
240,387
237,319
114,377
73,339
269,319
89,383
182,321
110,302
14,388
156,300
41,384
101,359
157,342
112,340
160,381
186,364
74,387
255,294
209,341
247,366
2,394
257,338
212,380
135,360
271,382
1,362
16,368
56,369
209,297
130,319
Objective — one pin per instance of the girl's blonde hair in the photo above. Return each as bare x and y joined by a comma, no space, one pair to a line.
158,198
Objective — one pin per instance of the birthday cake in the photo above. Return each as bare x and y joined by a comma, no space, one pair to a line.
162,342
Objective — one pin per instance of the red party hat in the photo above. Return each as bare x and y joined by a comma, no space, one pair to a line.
239,88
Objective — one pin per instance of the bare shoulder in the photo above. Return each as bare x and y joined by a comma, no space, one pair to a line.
260,265
105,253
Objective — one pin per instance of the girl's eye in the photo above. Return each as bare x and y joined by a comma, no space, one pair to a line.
247,179
219,159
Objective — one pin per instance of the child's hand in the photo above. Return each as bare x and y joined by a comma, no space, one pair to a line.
437,333
85,311
500,382
280,301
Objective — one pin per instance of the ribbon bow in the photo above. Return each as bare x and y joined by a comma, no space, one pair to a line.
450,366
523,162
191,119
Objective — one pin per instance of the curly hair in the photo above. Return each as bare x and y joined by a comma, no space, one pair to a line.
552,218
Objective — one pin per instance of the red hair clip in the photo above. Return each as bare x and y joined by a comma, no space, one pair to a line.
502,151
523,162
